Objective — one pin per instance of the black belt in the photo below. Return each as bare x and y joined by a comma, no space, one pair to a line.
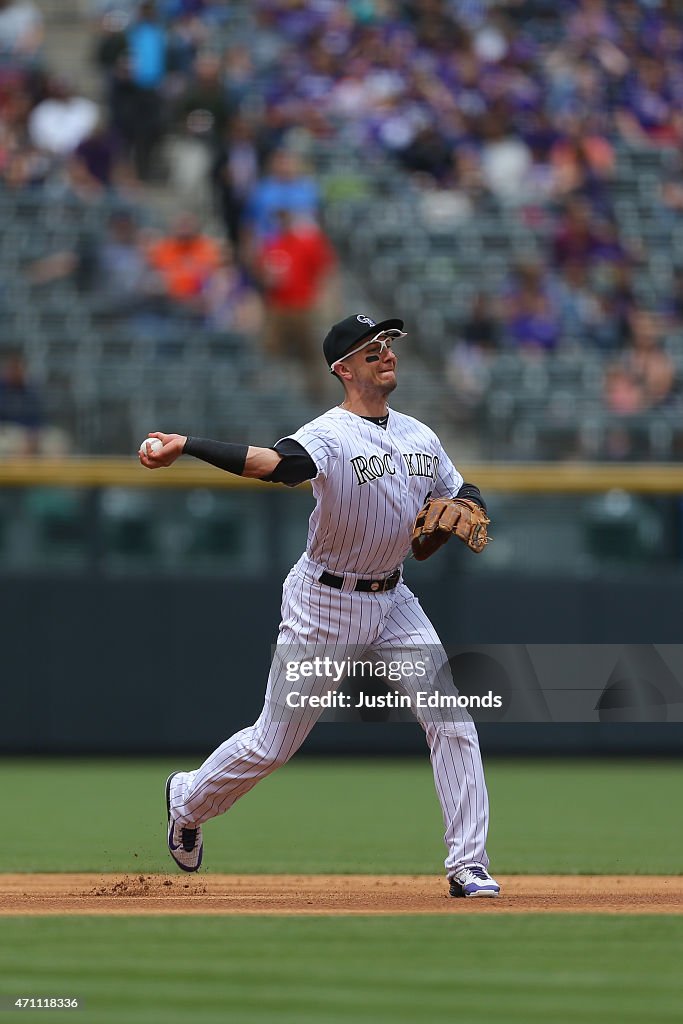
366,586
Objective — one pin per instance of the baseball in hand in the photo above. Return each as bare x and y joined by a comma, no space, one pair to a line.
151,445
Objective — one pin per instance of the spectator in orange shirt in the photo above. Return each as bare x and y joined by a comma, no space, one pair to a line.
582,159
185,260
292,266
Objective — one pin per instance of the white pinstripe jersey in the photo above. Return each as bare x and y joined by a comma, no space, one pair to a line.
371,483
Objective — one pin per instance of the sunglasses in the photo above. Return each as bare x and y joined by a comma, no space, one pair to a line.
382,339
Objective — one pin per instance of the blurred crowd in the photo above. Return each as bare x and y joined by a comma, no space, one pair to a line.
517,105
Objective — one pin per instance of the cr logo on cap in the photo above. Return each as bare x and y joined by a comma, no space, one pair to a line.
365,320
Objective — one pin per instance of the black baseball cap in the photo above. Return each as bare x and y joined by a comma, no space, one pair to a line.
351,331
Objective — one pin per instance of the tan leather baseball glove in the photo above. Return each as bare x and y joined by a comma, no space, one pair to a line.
439,518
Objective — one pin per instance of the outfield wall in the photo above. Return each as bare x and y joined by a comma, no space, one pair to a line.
138,608
156,665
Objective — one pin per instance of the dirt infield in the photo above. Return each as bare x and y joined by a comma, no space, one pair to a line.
332,894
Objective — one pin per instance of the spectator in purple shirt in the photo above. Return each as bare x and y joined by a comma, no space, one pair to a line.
97,154
535,323
648,112
529,312
592,22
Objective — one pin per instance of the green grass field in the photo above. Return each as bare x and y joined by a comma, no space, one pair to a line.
549,970
348,816
375,816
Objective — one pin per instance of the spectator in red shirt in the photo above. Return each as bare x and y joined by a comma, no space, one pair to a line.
293,266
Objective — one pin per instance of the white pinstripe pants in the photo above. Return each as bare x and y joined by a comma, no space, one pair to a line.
343,624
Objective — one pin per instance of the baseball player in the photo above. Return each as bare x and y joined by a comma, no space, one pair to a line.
383,484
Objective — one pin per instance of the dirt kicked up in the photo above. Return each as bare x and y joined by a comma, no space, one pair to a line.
26,894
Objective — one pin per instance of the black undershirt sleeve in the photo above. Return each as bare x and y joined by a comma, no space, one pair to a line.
221,454
296,465
472,492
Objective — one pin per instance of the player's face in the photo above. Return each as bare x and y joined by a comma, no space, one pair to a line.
374,366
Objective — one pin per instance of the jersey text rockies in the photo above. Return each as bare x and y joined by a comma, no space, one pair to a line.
417,464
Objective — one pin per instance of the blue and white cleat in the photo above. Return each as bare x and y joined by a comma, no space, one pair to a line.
473,880
185,843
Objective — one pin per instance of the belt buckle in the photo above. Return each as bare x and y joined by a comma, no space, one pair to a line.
388,581
381,586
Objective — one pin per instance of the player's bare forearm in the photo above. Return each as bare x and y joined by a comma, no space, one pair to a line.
260,462
243,460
